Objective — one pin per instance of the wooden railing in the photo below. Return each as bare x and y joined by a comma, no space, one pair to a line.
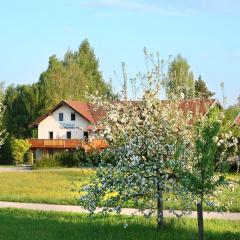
68,143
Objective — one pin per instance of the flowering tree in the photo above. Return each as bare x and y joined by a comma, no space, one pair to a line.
227,143
147,139
205,174
3,133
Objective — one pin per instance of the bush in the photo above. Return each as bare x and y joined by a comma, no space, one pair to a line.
78,158
48,161
73,158
19,149
69,159
6,156
29,158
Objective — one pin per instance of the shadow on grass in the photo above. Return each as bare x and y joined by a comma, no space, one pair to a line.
26,225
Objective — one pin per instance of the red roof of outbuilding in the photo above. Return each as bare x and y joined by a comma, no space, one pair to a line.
237,119
201,106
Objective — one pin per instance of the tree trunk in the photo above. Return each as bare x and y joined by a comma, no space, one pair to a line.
200,220
159,207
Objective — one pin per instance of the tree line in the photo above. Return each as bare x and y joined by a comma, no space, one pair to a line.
74,77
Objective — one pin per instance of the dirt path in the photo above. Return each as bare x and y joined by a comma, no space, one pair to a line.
15,169
125,211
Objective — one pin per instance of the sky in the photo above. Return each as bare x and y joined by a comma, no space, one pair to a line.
205,32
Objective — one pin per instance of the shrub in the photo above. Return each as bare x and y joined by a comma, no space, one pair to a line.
48,161
77,158
29,158
19,149
69,159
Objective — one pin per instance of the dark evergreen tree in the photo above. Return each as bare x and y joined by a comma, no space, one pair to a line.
201,90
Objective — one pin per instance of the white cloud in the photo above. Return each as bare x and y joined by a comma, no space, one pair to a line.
67,29
130,5
170,7
226,6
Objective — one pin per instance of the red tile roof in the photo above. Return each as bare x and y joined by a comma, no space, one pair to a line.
201,106
87,110
82,108
237,119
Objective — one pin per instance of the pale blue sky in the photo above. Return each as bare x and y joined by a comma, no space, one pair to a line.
206,32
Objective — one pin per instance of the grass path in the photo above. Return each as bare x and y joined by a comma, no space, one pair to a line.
37,225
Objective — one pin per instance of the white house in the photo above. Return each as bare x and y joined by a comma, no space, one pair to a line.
68,125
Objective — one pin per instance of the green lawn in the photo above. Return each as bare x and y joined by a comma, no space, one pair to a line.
31,225
60,186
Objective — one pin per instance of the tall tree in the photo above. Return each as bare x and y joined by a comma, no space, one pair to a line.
20,102
74,77
180,79
201,90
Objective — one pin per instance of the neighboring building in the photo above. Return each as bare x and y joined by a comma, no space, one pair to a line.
237,120
69,125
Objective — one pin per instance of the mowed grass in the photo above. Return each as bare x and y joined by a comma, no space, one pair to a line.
57,186
61,186
225,195
31,225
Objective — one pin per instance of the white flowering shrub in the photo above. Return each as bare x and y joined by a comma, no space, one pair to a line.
3,133
147,138
227,142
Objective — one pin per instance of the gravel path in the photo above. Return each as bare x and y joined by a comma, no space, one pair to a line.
125,211
15,169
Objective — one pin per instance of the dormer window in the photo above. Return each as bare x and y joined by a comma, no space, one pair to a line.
60,117
73,117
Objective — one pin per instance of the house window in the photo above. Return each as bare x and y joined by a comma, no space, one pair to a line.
69,135
73,117
85,135
50,135
60,117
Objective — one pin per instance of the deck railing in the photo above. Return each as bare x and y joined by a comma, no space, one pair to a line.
68,143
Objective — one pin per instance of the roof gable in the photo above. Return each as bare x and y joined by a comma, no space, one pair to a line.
82,108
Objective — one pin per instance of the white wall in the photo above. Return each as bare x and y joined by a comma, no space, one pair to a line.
52,124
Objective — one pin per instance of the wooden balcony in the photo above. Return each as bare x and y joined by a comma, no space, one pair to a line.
99,143
68,144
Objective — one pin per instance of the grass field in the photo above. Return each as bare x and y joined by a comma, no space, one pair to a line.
31,225
60,186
